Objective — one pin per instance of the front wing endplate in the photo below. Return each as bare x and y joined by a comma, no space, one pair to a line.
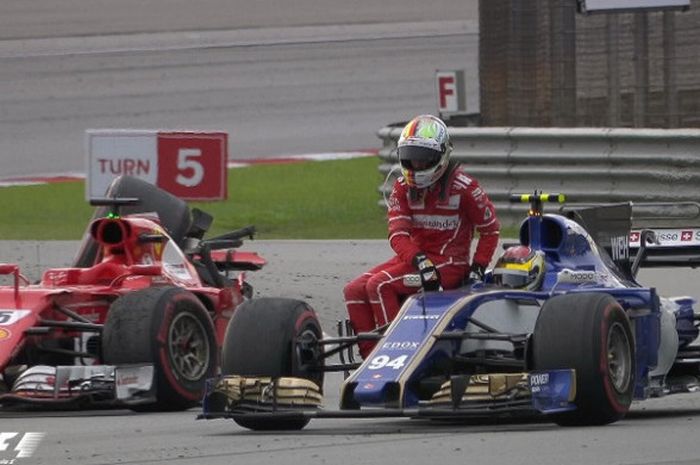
230,394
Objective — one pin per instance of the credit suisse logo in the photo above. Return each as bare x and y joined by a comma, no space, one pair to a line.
669,237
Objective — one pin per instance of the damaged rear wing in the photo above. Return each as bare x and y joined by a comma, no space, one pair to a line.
671,231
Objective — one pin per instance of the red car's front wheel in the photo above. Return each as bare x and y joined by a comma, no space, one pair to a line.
170,328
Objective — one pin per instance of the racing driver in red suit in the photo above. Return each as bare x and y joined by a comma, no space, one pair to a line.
433,211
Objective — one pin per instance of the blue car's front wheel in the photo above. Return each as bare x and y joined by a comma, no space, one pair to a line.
265,338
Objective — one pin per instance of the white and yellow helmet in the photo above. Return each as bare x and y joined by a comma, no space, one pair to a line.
520,268
424,151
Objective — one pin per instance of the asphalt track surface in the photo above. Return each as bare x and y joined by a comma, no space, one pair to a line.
306,77
249,68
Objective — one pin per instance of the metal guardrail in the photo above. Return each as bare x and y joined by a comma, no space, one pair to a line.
589,165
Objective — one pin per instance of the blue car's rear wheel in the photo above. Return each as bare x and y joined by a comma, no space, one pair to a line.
590,333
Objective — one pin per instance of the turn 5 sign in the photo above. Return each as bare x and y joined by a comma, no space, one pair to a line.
188,164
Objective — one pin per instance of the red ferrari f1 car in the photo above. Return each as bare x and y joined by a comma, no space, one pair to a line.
139,317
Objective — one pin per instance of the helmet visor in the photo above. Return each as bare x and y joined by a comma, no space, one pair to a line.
418,158
515,279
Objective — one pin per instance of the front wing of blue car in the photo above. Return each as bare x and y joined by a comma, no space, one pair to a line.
543,392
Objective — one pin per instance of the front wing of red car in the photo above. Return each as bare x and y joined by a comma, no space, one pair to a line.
81,385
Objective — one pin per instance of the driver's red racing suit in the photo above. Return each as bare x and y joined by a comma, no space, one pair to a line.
438,221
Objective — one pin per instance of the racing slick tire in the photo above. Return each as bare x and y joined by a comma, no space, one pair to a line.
261,340
589,332
170,328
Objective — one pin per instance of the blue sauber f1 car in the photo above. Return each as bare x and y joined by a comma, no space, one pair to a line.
579,348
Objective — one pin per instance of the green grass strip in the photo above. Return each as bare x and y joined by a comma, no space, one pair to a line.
307,200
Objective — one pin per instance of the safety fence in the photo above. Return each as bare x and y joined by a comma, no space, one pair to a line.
588,165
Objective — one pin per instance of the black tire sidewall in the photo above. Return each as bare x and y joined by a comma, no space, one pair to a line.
171,305
306,321
618,401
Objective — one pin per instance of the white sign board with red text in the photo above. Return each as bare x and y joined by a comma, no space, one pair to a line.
188,164
451,92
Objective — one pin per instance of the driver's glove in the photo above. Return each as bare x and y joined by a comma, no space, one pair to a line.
476,274
428,272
